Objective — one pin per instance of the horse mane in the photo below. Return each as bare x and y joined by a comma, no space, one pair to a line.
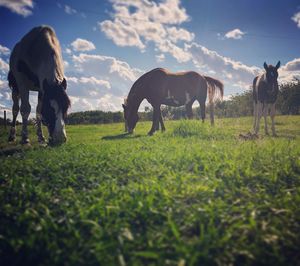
135,89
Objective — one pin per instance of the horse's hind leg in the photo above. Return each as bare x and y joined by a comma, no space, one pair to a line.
39,130
189,110
259,110
202,108
254,115
25,111
15,111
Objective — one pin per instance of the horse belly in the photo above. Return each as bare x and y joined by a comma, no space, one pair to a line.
172,102
178,99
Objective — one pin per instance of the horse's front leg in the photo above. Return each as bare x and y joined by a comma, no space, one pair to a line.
272,114
39,130
265,112
254,115
15,111
25,111
155,120
161,122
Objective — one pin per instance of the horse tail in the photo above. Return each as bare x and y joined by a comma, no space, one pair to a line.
12,83
212,86
254,90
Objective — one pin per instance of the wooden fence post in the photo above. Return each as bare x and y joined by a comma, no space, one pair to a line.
5,122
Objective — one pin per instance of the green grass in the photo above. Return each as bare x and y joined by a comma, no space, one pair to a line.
194,195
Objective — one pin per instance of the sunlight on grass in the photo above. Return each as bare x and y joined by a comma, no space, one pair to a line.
195,195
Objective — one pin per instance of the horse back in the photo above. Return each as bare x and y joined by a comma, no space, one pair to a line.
160,85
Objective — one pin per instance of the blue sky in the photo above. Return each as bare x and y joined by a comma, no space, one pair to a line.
108,44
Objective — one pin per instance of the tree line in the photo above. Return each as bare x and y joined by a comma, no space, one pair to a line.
288,103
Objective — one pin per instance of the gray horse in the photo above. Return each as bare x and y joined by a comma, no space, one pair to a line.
36,64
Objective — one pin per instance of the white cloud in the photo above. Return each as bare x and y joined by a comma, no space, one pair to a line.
81,104
81,45
135,23
296,19
3,84
289,71
4,67
178,53
167,12
105,66
69,10
110,102
20,7
68,51
97,82
107,102
235,34
293,65
226,68
87,87
66,64
4,50
160,58
179,34
121,34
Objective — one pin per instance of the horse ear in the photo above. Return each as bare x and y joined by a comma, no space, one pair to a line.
265,66
64,84
278,65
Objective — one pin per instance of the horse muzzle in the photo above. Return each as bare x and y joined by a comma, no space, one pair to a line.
57,139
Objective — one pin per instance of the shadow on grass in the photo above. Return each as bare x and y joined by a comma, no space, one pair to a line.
121,136
9,151
253,136
19,149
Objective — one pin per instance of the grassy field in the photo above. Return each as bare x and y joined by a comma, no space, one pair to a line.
194,195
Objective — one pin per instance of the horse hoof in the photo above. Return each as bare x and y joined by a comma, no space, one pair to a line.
11,139
150,133
41,140
25,141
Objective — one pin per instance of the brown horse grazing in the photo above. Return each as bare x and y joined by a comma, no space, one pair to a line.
159,86
265,91
36,64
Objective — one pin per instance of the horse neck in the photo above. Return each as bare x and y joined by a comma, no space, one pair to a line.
134,102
